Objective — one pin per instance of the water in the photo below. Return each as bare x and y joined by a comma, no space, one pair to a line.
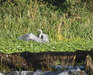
59,70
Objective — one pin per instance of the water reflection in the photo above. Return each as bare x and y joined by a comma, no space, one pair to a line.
58,70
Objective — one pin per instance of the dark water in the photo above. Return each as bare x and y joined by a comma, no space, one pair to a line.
58,70
21,64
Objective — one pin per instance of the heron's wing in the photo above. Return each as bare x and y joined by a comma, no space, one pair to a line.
25,37
44,37
33,37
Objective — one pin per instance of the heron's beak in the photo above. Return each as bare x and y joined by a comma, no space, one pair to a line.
39,30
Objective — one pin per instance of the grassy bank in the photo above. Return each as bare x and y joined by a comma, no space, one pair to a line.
11,46
69,24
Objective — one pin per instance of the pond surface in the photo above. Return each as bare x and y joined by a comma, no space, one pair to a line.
58,70
46,63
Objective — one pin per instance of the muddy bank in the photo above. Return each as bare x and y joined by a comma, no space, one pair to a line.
32,61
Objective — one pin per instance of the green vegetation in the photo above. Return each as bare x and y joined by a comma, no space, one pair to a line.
69,24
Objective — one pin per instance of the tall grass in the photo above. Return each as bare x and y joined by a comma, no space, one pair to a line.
20,17
69,20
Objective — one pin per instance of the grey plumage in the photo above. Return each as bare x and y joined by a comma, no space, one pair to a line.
42,38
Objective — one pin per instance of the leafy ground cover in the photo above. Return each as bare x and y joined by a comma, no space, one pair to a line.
11,46
69,24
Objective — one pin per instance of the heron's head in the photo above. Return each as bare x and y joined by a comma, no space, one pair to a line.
40,30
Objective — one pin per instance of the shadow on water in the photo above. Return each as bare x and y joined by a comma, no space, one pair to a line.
45,59
81,55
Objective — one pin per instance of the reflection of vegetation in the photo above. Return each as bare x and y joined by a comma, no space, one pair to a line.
70,20
4,68
57,62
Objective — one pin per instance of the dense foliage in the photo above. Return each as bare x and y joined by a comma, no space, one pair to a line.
67,21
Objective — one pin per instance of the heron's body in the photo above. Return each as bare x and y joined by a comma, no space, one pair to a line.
42,38
28,37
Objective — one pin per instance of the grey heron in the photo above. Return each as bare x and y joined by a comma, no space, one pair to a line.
30,36
42,38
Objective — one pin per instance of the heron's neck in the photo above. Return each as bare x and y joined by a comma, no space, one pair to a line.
41,31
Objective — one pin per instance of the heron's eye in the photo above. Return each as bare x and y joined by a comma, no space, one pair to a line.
41,36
